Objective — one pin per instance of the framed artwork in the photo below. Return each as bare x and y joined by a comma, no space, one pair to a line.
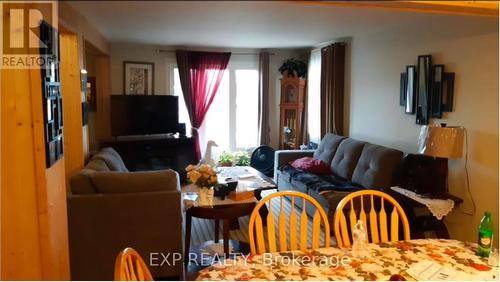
402,88
424,89
138,78
437,92
90,95
410,89
448,88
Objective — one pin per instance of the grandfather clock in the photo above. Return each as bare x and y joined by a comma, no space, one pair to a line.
291,111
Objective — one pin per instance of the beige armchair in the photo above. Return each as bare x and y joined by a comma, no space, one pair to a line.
109,210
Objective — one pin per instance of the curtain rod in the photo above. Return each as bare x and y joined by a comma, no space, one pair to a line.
235,53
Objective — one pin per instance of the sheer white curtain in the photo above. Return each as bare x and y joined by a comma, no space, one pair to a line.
216,125
314,96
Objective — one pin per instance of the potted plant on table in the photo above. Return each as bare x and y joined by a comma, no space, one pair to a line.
204,177
226,159
241,158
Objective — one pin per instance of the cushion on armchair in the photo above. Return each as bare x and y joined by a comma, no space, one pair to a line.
80,183
134,182
311,165
112,159
97,165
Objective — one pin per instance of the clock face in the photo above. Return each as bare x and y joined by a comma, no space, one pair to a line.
291,94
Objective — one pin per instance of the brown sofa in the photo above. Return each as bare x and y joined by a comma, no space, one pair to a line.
354,164
110,208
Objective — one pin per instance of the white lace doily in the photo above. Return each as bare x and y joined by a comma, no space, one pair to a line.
438,207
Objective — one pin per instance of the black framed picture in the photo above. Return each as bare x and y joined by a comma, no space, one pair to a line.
448,89
410,89
437,91
423,89
426,90
402,89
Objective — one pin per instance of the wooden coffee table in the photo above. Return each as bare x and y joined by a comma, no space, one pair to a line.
228,210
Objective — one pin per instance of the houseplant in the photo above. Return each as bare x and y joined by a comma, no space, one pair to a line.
205,177
292,67
241,158
226,159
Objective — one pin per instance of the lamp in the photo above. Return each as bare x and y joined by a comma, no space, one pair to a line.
426,173
441,141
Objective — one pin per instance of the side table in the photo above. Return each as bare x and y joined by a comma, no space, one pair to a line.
227,210
438,208
226,213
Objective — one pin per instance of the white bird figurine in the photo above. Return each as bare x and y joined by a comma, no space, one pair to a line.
207,158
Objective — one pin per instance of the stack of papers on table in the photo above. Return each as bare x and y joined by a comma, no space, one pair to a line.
430,270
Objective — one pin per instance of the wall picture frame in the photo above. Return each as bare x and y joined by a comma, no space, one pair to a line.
410,89
91,95
437,91
423,89
402,89
448,89
138,78
426,90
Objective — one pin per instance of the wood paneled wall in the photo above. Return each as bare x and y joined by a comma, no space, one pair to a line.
72,104
33,226
54,225
19,226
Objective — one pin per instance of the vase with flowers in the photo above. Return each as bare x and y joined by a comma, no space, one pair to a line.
204,177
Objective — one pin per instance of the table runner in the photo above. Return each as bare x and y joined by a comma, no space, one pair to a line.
384,260
438,207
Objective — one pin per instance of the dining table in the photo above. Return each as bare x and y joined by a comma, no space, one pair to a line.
408,260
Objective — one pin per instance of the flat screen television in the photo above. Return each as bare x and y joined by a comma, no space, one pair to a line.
144,114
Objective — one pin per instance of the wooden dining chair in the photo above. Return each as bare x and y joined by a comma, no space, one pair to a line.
256,226
378,225
129,266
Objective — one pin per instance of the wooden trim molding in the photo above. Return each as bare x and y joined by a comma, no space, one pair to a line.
72,104
468,8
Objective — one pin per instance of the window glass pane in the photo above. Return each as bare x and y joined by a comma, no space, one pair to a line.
247,93
314,97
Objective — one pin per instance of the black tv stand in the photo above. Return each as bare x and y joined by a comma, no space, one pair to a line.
154,152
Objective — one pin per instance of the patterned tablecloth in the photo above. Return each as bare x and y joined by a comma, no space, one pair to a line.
383,260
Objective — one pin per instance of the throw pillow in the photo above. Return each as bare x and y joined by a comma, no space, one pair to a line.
311,165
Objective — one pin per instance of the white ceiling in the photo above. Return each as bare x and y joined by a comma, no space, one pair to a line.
273,24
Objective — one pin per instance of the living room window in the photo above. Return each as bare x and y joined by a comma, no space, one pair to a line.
314,97
232,120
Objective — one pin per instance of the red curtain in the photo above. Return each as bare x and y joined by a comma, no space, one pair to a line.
206,70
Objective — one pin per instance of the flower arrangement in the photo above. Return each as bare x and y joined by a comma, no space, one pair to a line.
203,176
